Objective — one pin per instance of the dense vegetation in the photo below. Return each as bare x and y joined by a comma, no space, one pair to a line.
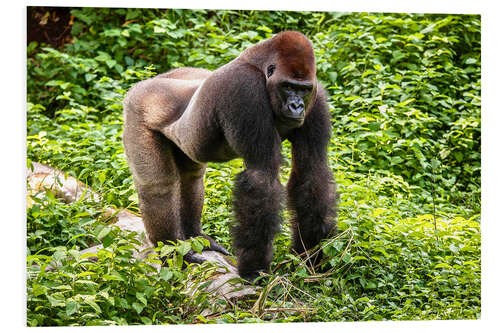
405,149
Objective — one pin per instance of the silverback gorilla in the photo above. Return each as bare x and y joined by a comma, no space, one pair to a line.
178,121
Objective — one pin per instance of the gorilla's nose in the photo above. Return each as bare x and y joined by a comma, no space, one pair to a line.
296,107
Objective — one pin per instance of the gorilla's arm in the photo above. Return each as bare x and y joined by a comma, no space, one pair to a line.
311,188
249,130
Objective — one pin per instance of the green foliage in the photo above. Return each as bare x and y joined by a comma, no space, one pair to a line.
405,97
112,288
404,268
51,222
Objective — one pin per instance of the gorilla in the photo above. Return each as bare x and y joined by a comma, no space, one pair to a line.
178,121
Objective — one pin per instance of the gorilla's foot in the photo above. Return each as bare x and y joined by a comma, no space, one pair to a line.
189,258
214,246
254,277
192,258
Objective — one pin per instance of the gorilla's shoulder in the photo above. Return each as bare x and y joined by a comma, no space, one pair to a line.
239,77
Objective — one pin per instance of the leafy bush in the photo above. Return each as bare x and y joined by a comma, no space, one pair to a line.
115,289
406,144
407,93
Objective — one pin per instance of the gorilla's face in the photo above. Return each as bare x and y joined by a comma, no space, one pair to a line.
291,94
295,96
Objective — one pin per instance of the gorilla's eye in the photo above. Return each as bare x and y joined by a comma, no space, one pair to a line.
270,70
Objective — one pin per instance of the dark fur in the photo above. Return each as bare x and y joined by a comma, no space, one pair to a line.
311,189
178,121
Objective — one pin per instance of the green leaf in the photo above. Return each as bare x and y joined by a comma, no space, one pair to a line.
122,302
140,297
435,164
159,30
406,102
346,257
93,304
428,29
72,307
137,307
55,301
396,160
454,248
332,76
197,246
114,276
165,273
111,63
104,232
183,248
397,56
442,265
166,250
89,77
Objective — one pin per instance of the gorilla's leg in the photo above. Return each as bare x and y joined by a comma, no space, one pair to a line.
191,200
311,187
157,181
257,195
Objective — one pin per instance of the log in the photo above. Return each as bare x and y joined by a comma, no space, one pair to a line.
43,177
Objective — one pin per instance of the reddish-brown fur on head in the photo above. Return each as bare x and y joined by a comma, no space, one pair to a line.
296,54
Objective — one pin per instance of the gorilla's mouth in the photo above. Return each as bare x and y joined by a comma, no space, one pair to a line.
292,119
294,115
